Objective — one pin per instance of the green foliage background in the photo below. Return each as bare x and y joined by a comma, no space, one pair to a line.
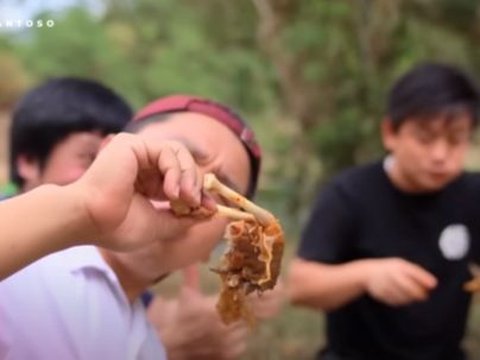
310,76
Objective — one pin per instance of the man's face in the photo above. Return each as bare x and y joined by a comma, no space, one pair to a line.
216,149
428,154
67,161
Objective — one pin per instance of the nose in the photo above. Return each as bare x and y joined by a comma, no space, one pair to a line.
439,151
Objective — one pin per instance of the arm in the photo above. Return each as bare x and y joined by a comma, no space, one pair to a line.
190,328
47,219
108,206
393,281
326,287
316,279
322,278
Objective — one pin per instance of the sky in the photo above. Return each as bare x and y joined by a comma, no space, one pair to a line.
26,9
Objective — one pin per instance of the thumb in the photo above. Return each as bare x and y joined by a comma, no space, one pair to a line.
191,278
190,291
190,296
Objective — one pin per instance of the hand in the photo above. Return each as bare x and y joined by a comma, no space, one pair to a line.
128,172
190,327
397,282
269,303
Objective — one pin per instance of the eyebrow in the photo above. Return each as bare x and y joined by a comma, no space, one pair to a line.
198,152
448,126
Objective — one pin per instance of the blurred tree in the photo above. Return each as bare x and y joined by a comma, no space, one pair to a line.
183,50
14,80
78,45
311,76
314,72
335,62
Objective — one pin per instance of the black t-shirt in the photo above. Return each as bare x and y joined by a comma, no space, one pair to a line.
360,214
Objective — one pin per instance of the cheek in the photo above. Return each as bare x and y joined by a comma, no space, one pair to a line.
193,247
457,157
63,174
408,156
209,233
205,237
416,154
459,153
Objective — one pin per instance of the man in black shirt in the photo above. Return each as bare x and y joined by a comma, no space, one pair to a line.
387,248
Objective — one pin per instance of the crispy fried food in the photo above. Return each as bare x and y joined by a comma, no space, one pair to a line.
179,208
253,260
252,264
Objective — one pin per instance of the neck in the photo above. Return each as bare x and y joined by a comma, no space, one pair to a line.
399,180
132,284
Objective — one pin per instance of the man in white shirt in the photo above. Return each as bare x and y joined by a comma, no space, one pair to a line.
71,305
83,302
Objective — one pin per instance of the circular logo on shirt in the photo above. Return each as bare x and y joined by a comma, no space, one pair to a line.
454,242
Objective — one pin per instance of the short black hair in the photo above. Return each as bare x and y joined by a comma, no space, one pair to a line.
431,89
50,112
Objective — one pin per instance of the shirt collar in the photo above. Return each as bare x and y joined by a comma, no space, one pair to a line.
84,257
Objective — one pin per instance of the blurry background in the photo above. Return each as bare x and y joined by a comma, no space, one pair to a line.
310,76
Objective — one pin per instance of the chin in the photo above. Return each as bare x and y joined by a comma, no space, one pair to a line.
436,184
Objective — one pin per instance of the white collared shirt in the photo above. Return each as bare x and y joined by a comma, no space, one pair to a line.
70,305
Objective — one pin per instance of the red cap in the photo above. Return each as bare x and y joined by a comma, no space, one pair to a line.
179,103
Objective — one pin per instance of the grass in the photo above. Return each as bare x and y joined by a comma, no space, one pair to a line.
295,334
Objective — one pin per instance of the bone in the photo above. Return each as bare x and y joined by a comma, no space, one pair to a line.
234,213
211,183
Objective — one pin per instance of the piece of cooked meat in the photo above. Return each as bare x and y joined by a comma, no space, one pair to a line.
253,259
252,263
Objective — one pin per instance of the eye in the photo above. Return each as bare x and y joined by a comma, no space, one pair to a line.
458,138
87,158
424,136
201,158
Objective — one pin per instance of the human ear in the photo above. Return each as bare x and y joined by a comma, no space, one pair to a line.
28,168
388,134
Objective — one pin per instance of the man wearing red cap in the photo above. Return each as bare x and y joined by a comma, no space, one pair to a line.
200,108
113,281
189,325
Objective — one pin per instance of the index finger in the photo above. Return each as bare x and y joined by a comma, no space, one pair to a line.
190,180
180,173
422,276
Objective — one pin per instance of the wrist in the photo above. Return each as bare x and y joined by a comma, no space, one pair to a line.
363,269
82,227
